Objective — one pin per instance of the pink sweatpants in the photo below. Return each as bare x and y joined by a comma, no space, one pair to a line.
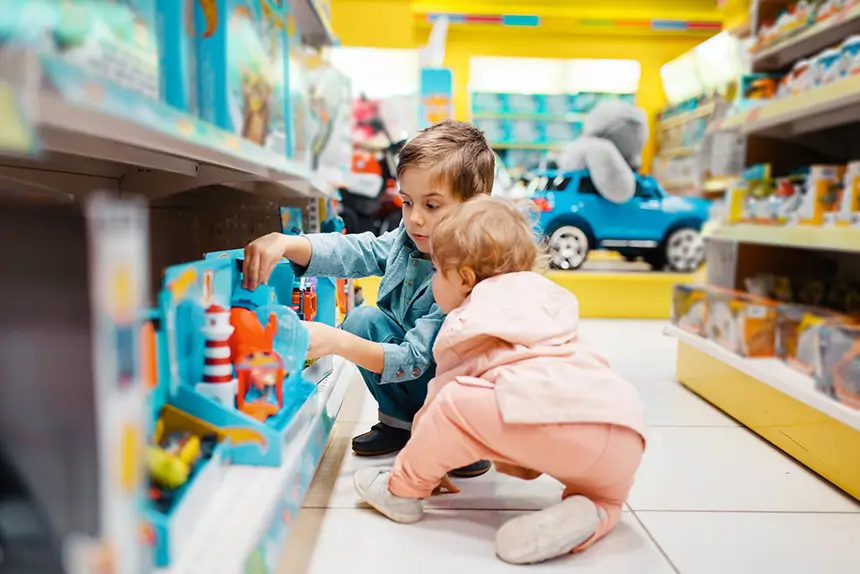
463,425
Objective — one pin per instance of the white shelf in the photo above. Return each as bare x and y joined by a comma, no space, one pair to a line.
774,373
836,238
818,109
809,41
240,514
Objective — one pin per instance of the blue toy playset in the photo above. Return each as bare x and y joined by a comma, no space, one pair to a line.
175,22
291,221
236,357
186,458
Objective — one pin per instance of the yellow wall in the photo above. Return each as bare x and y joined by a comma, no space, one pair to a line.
392,24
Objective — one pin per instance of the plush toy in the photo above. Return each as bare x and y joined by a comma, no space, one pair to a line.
613,135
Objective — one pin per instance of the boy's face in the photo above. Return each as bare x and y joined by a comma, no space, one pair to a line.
424,203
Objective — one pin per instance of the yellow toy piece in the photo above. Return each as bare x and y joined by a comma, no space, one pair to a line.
167,470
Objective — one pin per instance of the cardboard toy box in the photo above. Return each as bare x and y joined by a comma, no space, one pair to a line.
113,41
742,323
187,458
799,334
239,78
838,374
176,42
690,308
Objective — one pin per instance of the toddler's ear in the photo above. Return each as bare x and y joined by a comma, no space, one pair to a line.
468,279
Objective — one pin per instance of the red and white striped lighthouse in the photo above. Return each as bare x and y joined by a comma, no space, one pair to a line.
218,382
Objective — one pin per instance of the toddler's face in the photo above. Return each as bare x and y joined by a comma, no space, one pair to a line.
424,203
449,290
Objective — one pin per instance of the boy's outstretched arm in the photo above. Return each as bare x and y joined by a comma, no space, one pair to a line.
396,363
317,254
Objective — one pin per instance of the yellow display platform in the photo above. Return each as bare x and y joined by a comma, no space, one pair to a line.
779,405
604,295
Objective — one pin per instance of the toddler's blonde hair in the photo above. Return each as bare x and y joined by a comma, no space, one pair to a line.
491,236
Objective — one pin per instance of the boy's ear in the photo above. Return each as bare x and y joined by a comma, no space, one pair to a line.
468,279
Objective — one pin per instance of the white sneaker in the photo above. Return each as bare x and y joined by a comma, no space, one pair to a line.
549,533
372,486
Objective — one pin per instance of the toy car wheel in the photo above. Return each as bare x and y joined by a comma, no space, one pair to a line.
568,247
685,250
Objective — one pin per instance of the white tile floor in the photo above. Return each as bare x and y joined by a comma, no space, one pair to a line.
710,497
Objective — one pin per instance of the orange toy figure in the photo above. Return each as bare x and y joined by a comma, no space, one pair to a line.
258,366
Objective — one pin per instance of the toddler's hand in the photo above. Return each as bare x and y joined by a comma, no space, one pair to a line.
261,257
446,484
516,471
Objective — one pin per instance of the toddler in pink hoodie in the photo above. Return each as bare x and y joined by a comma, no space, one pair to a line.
515,385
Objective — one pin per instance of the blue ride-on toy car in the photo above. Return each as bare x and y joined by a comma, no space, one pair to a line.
664,230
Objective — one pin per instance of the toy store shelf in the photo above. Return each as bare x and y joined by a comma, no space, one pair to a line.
158,149
817,109
315,22
681,119
239,517
799,236
774,373
813,39
778,404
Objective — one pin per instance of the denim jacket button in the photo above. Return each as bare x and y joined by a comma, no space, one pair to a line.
416,372
400,373
414,263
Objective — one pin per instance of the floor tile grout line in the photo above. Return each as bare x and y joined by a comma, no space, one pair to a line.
657,544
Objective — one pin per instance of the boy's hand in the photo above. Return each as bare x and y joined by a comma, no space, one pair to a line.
261,257
446,484
324,339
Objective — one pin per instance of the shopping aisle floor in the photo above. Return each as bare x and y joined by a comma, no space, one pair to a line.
710,497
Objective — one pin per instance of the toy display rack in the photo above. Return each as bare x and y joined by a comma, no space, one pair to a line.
235,533
93,136
780,405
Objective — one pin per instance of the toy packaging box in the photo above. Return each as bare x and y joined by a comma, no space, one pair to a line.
838,373
483,103
496,131
526,132
291,221
798,334
849,207
114,41
524,104
823,194
690,308
235,357
237,71
176,41
186,458
742,323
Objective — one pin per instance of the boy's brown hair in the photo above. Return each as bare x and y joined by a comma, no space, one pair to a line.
456,153
489,235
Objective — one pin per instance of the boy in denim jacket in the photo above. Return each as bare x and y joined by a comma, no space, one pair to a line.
392,344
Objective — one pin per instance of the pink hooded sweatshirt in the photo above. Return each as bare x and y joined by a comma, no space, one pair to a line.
519,333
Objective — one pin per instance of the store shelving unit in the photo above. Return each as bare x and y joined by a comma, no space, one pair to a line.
252,502
816,126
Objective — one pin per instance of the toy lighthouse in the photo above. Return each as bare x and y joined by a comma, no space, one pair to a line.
218,382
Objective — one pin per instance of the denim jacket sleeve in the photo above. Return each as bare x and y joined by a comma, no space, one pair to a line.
411,359
347,256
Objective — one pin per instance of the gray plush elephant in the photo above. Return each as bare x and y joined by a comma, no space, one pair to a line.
613,135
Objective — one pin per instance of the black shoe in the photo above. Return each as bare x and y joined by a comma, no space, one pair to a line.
380,439
472,470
